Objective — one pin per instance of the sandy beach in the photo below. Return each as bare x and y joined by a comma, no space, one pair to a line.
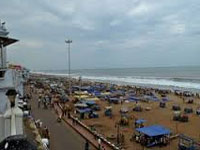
153,115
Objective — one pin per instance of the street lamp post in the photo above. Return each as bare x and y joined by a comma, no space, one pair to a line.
69,64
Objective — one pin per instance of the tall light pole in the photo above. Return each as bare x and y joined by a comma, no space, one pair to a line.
69,64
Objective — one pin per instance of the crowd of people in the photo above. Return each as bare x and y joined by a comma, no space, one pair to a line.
48,99
53,92
43,130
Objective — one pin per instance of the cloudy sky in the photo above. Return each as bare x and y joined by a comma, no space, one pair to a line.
105,33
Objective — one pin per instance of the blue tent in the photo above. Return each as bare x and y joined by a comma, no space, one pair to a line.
151,98
132,94
96,93
75,87
86,88
165,99
154,130
86,110
133,98
139,121
155,98
114,100
90,102
99,87
121,92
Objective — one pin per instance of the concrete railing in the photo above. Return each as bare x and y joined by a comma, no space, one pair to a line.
13,129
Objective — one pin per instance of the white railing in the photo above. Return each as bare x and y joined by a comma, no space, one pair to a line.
13,123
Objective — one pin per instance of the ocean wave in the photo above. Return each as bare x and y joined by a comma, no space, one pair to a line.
54,74
182,83
168,82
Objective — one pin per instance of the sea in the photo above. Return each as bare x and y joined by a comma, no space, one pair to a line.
176,78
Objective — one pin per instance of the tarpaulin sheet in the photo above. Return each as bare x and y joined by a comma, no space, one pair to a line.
151,98
139,121
133,98
114,99
86,110
165,99
89,102
154,130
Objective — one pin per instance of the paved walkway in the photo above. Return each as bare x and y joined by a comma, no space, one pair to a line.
62,136
84,132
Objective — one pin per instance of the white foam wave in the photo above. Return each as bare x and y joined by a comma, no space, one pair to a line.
52,74
164,82
147,81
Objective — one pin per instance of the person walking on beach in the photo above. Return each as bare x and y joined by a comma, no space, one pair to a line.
45,102
59,119
69,115
46,132
50,99
86,145
64,110
39,102
73,121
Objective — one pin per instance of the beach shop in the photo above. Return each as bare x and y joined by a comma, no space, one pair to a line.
155,135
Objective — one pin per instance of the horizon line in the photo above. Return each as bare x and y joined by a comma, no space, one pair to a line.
118,68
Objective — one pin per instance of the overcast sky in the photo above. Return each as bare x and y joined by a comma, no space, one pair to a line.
105,33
